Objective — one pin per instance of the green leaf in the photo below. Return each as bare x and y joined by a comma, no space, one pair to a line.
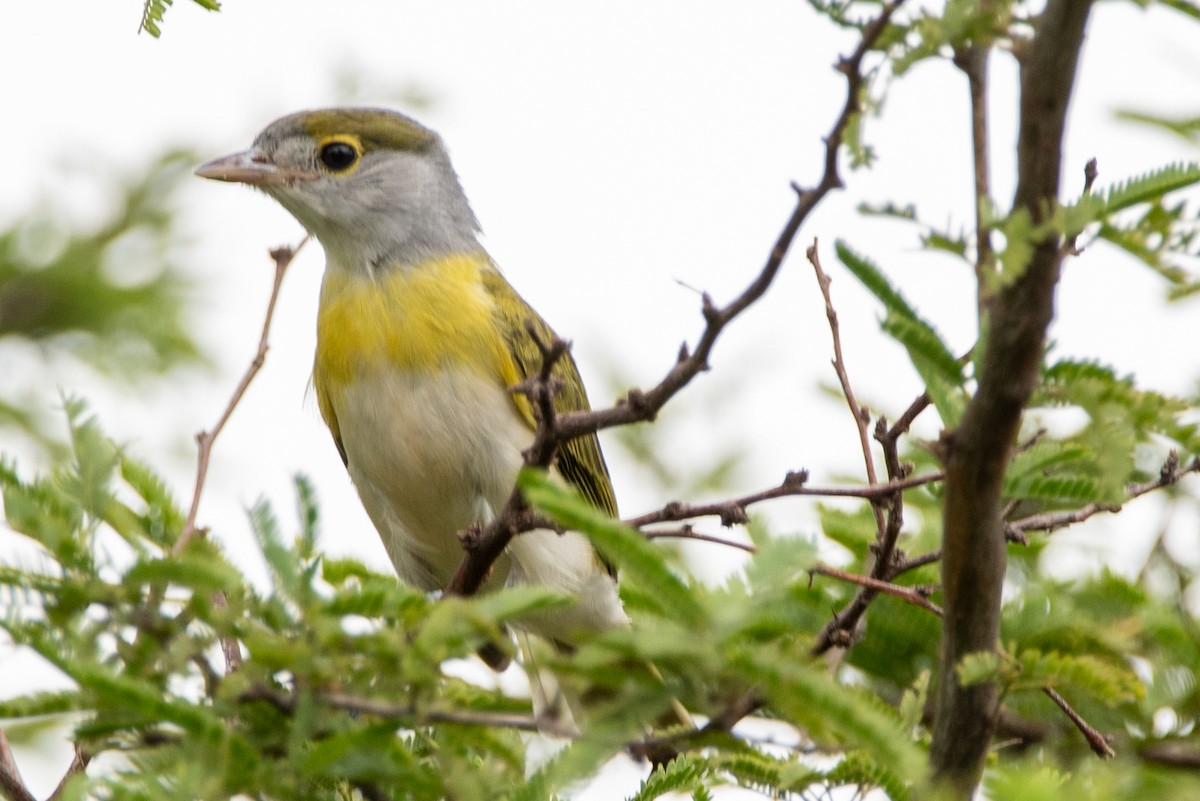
982,667
1108,683
684,774
42,703
1020,239
287,573
629,550
937,366
912,703
1149,187
808,697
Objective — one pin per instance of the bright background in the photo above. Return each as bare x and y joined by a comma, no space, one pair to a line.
620,156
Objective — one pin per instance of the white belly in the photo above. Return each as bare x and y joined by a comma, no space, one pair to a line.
432,454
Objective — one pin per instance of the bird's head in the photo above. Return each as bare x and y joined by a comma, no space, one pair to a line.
374,186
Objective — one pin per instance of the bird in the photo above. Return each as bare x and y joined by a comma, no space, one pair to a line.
420,340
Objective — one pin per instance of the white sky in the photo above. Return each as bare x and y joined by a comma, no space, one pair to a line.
611,150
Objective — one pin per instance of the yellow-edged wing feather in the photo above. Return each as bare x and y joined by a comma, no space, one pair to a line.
580,461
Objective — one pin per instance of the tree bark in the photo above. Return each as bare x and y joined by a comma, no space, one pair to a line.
976,454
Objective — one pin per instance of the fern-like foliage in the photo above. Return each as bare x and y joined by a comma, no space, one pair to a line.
940,369
154,10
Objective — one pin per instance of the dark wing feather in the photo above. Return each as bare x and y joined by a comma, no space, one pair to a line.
580,461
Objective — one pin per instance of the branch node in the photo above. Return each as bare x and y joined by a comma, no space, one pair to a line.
734,515
795,479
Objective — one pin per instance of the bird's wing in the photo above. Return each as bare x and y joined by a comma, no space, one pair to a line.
328,414
580,461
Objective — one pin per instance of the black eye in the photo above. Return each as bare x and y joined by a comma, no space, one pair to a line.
338,156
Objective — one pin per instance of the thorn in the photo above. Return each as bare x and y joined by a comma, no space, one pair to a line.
637,401
734,515
683,353
795,479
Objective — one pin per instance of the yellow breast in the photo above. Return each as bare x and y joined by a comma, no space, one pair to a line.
421,318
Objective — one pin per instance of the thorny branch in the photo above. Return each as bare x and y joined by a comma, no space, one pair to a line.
643,405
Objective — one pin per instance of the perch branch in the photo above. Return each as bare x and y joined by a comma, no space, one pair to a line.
483,547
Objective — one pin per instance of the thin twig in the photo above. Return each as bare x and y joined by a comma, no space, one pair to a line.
733,512
79,763
1096,741
283,258
860,414
972,59
905,420
915,596
1169,474
688,533
11,783
641,406
720,724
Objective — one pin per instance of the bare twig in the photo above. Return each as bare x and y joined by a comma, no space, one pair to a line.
917,596
733,512
688,533
1096,741
719,725
905,420
639,405
1091,171
862,417
840,630
11,783
972,59
1170,473
283,258
79,763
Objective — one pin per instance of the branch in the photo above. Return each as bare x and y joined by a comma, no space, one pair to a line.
638,405
973,61
973,561
688,533
861,416
733,512
79,763
652,747
917,596
283,258
11,783
840,630
1096,741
